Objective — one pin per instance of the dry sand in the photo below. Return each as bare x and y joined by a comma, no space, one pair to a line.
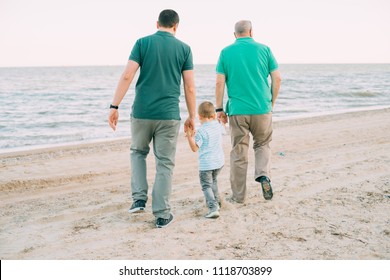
330,176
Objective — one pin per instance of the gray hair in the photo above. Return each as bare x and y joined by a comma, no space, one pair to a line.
242,27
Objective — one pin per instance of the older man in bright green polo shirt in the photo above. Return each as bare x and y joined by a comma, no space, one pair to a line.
244,67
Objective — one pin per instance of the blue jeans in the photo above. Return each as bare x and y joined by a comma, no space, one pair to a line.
164,134
209,183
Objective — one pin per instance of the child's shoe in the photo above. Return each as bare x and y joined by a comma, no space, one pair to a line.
212,214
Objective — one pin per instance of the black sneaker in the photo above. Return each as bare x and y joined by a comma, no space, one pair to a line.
138,206
162,223
266,187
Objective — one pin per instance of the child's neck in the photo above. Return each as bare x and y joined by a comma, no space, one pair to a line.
205,120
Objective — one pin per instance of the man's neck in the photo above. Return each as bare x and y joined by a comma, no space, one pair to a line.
239,37
165,29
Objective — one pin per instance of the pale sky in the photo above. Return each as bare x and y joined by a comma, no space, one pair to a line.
102,32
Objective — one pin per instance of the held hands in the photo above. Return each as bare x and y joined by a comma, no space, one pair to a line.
222,118
189,126
190,133
189,130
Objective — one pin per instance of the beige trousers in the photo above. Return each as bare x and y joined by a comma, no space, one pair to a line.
260,126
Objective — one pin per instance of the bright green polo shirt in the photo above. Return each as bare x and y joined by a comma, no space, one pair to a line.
162,59
246,65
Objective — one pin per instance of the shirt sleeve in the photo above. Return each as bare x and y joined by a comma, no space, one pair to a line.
199,138
220,69
135,54
272,63
188,64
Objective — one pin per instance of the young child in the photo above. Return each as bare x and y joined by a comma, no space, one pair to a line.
208,142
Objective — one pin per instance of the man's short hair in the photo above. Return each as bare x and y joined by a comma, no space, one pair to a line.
168,18
206,110
243,26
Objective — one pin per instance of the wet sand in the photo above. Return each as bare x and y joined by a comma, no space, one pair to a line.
331,180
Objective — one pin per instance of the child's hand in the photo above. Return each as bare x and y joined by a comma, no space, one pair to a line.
190,132
191,139
222,118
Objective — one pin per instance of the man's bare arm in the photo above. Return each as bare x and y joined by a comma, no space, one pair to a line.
121,90
219,93
275,85
219,90
190,97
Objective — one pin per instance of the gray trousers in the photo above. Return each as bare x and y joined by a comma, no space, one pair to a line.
260,126
164,134
209,183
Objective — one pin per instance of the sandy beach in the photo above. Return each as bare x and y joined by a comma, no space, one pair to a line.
331,180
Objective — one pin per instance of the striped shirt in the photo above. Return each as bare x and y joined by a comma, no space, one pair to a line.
209,140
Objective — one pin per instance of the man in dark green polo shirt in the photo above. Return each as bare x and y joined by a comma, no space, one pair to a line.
244,67
163,60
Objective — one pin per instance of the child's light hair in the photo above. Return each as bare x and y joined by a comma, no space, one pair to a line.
206,110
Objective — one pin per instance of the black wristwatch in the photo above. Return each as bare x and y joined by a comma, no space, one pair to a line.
219,110
114,107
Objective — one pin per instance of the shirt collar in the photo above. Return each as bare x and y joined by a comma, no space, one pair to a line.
164,33
244,39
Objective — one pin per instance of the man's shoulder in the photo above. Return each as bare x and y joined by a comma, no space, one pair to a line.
155,36
185,45
237,46
145,39
228,47
148,37
261,45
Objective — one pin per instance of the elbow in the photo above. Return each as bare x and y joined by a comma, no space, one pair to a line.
190,90
277,78
126,76
220,86
278,82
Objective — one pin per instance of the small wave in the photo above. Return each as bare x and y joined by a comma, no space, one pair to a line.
365,94
43,113
362,94
94,89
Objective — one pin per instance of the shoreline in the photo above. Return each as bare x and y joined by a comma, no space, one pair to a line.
97,141
331,200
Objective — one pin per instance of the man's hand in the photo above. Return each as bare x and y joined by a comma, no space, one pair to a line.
113,118
222,118
189,125
190,132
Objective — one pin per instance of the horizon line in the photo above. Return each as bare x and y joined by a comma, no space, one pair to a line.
115,65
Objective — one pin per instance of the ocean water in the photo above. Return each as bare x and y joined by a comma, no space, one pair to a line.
56,105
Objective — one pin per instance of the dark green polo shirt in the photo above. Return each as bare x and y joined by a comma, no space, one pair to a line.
162,59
